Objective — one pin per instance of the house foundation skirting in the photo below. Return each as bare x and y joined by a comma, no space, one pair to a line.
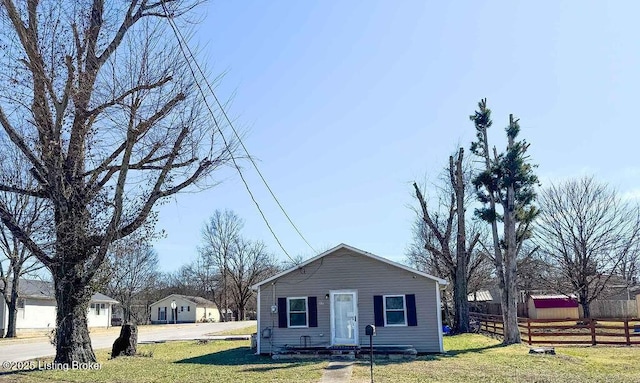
348,352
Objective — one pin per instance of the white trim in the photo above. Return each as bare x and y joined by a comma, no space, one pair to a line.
306,312
404,309
356,330
259,332
439,312
361,252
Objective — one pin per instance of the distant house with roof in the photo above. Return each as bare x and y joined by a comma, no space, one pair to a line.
188,309
37,307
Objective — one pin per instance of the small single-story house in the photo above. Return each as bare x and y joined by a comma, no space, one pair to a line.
188,309
329,299
553,307
37,307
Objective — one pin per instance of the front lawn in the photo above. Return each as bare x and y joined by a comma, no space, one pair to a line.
471,358
239,331
476,358
214,361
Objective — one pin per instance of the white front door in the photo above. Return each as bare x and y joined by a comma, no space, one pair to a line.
344,317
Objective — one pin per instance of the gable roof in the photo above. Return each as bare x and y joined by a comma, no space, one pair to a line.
554,301
99,297
355,250
480,296
198,301
37,289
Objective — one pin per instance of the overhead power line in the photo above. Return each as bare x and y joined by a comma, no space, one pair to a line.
190,58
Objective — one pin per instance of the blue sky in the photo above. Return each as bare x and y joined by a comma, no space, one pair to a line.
346,103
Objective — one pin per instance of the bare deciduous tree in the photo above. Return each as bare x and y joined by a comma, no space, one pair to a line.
441,238
220,236
99,102
238,262
133,269
15,259
587,233
249,264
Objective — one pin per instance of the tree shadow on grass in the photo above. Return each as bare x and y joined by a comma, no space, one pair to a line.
432,357
16,372
243,356
473,350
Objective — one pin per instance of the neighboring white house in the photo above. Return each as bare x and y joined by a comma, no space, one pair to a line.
188,309
37,307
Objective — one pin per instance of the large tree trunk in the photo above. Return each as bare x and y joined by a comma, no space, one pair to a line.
72,333
510,315
12,307
11,323
586,310
461,323
461,302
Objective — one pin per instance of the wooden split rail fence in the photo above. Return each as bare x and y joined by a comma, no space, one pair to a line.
567,331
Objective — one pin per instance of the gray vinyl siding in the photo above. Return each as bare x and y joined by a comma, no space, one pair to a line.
347,270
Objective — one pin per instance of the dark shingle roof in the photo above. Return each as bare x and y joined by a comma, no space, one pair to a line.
197,300
33,288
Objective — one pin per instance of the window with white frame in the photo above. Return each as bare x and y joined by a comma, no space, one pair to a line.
395,310
297,313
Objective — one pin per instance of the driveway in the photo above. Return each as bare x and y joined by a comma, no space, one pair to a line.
21,350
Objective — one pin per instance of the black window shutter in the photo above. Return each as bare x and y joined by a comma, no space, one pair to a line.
412,316
378,311
313,311
282,312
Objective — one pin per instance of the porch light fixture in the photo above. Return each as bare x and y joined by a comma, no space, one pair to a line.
326,296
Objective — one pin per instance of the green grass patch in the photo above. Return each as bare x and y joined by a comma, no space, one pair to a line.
239,331
477,358
214,361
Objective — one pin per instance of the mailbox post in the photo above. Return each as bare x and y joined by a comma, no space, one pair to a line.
371,331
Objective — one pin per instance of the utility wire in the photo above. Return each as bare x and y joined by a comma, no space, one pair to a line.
179,36
184,48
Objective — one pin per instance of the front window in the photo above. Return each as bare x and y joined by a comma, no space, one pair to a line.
395,310
297,312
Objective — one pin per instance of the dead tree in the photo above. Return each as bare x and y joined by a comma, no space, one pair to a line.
455,259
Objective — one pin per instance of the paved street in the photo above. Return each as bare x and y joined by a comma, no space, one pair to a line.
20,350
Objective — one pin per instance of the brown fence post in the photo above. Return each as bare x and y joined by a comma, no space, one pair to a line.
592,325
626,332
529,330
